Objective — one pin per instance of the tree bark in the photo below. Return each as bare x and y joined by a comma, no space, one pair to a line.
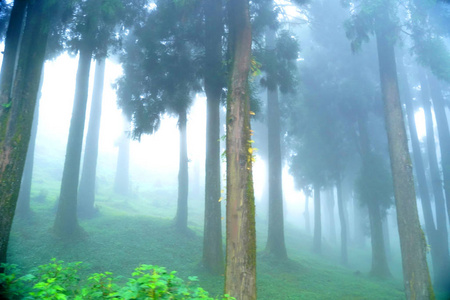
422,183
213,259
16,121
343,221
317,243
275,238
12,42
23,202
66,221
240,272
183,178
444,136
86,190
412,240
440,259
122,178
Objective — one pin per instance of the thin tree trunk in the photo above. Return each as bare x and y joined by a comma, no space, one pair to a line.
416,276
329,208
317,244
386,236
240,272
275,238
306,214
66,221
23,202
86,191
17,120
12,42
440,259
122,178
213,258
379,267
343,221
183,178
444,136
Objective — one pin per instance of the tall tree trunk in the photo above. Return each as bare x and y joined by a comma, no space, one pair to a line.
12,42
23,202
440,259
275,238
444,136
343,221
212,231
122,178
66,222
183,178
240,272
16,121
379,267
422,183
416,276
317,243
86,190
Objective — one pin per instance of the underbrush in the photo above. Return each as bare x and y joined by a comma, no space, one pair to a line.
59,280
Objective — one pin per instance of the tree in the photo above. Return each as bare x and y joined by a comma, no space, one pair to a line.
430,226
441,260
380,21
23,201
12,41
240,272
213,82
16,119
93,32
86,190
159,78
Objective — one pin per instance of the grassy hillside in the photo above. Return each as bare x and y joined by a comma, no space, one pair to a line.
121,238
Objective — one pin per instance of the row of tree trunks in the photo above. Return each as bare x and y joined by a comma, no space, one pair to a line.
66,221
86,190
444,135
441,262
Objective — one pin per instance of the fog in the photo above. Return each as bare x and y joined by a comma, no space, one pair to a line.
336,137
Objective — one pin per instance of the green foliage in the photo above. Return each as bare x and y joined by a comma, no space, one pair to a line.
369,17
59,280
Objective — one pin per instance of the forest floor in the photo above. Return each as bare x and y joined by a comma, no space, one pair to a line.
121,238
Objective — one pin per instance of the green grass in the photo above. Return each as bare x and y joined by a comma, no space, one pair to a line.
122,237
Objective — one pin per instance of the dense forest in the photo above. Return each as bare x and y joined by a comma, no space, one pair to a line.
225,149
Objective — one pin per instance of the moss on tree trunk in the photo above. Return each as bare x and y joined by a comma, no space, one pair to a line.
240,273
416,276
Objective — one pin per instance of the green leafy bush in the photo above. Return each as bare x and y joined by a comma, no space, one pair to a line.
59,280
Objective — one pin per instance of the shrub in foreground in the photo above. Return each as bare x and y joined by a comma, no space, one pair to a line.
59,280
